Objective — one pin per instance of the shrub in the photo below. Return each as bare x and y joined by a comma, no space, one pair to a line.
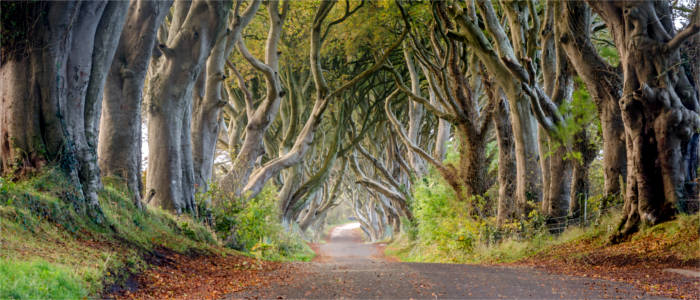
254,226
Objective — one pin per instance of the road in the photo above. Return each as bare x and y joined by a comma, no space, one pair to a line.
346,267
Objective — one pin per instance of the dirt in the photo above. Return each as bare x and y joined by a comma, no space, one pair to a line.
346,267
639,262
197,276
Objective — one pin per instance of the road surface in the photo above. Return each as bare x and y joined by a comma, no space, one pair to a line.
348,268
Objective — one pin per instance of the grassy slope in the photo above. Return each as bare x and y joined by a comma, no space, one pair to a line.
48,250
586,252
677,238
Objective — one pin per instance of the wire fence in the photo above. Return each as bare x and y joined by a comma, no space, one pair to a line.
583,218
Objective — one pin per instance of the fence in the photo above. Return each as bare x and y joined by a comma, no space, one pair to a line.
583,218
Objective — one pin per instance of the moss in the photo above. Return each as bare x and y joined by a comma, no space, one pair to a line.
43,234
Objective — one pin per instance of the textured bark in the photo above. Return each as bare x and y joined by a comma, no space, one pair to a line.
207,109
323,97
659,108
260,118
604,83
502,64
119,151
415,115
506,209
580,184
52,94
170,174
444,130
558,87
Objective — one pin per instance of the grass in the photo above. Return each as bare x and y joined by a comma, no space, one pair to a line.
47,250
677,238
38,280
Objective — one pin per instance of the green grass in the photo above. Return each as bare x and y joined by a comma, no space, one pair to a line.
39,280
47,250
678,237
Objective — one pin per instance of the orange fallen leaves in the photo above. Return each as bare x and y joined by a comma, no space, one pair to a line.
202,277
639,262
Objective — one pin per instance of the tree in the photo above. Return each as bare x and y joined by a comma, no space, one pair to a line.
504,58
324,95
119,150
603,82
207,108
194,29
55,56
659,106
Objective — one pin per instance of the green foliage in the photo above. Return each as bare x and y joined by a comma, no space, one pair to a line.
442,223
254,226
39,280
444,231
582,115
45,240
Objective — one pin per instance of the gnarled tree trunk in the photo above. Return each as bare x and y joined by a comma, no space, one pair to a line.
659,105
53,76
170,175
604,83
119,151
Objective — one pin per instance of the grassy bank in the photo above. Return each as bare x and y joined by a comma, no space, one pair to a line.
677,238
585,252
47,250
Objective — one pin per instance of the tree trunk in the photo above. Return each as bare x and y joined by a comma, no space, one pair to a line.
604,83
659,109
579,181
260,118
506,159
529,179
51,99
415,115
170,174
119,151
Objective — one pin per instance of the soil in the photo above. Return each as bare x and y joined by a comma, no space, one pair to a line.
346,267
640,262
196,276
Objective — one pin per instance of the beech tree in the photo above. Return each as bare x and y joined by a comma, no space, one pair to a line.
324,95
206,112
119,149
193,32
659,106
54,67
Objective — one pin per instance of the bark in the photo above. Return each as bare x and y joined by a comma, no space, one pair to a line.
580,184
207,109
604,84
415,115
170,174
51,98
323,97
444,130
507,72
558,86
260,118
506,209
119,151
659,109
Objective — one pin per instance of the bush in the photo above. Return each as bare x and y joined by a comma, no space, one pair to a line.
254,226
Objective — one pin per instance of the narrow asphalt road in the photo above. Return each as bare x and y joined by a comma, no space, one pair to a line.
348,268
